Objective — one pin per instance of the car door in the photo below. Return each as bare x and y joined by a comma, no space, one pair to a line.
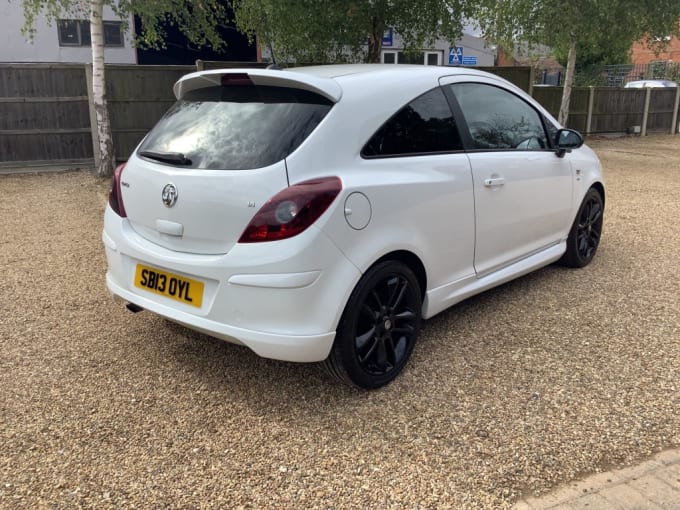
522,189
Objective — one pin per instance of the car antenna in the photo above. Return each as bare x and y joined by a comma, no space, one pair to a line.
273,65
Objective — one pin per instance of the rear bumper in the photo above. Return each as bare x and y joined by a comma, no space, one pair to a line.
283,299
307,348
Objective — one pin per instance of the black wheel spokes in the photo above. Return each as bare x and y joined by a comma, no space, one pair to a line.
595,213
399,287
386,325
589,228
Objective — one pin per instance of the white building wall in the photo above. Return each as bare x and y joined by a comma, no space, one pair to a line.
45,47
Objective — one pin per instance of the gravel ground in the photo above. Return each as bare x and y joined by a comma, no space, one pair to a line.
558,374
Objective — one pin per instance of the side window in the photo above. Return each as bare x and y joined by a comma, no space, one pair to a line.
498,119
425,125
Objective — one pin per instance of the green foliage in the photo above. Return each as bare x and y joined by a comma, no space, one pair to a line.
338,30
570,25
603,29
197,19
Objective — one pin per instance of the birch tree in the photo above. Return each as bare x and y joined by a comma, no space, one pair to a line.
324,31
198,20
566,25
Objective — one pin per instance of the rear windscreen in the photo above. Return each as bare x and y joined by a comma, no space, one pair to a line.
237,127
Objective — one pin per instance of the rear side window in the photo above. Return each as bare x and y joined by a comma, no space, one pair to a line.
237,127
423,126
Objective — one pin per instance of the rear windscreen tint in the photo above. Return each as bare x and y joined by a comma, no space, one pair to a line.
237,127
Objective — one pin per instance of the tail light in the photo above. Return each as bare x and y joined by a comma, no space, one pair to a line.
292,210
236,79
115,196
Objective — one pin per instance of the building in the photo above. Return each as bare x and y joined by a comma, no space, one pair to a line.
642,54
469,50
65,40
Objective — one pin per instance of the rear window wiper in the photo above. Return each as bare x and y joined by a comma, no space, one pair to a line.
174,158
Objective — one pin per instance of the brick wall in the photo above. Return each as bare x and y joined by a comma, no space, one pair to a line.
641,54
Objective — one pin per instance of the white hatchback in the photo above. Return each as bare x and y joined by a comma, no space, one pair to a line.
320,213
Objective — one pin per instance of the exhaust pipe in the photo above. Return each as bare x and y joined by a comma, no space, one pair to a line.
134,308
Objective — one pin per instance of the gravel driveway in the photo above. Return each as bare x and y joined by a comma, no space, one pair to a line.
558,374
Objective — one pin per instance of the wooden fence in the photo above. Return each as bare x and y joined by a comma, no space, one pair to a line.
616,110
44,114
46,110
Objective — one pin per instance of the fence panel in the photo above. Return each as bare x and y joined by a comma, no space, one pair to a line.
617,109
549,98
522,76
661,104
44,114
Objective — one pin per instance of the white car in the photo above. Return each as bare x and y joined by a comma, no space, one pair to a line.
653,84
320,213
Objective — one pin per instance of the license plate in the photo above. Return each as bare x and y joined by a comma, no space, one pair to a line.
179,288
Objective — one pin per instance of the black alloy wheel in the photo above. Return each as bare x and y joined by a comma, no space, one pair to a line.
585,234
379,327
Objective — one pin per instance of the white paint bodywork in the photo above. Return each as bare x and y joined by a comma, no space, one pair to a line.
284,299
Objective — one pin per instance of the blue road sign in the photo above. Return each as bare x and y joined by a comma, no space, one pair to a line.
469,61
388,38
456,56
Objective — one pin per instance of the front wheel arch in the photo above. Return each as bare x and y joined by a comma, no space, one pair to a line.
600,189
586,231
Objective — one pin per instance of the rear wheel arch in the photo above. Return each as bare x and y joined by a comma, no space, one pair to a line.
411,260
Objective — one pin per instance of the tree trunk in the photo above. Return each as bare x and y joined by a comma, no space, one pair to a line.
375,41
106,162
568,82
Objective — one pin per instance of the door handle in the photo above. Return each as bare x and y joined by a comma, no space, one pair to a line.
495,181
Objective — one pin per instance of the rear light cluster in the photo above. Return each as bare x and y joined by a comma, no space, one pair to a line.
292,210
115,196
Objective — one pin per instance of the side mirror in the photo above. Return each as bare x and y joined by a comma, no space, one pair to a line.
566,140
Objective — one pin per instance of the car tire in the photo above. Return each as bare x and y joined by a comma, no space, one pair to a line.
378,328
584,236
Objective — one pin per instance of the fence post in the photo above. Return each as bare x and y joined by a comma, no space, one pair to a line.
591,102
674,122
93,117
645,112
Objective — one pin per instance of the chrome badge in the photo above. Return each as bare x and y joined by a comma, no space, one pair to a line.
169,195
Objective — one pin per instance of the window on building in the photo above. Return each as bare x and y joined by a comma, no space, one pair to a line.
389,57
73,32
113,33
430,58
411,57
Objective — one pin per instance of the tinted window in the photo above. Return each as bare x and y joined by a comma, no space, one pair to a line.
498,119
237,127
425,125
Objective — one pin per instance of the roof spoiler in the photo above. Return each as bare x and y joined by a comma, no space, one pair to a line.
326,87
